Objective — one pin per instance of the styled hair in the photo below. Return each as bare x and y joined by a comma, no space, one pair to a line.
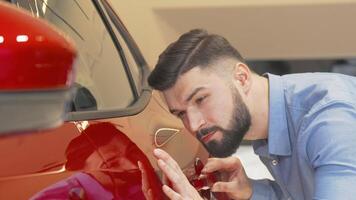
192,49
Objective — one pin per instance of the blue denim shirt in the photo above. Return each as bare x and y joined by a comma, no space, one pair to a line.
311,145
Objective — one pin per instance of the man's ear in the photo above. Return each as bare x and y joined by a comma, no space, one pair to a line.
242,76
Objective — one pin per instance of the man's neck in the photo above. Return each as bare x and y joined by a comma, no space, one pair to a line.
258,104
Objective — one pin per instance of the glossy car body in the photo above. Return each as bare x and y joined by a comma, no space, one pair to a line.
115,121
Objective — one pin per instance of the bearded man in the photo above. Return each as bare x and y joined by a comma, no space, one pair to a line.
302,126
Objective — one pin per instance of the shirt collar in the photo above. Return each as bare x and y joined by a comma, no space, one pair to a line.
278,135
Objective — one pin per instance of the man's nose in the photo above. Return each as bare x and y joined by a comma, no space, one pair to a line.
195,120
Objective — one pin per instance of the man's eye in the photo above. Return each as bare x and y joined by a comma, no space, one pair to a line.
180,115
200,100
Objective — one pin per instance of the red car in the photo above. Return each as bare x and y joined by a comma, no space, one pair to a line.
103,150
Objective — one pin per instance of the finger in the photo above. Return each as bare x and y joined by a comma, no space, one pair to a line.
228,187
165,180
161,154
234,190
172,175
171,194
150,195
145,185
222,164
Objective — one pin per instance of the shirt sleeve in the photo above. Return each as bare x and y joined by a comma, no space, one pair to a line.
331,151
265,189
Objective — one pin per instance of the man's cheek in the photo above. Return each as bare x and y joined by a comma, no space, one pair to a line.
187,126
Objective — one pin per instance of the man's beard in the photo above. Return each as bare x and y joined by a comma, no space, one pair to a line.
240,123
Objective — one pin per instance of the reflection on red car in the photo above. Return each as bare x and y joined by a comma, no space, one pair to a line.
80,124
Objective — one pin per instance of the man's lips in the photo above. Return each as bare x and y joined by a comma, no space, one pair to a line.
207,137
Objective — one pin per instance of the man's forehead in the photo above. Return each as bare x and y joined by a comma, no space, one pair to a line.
187,85
183,97
186,81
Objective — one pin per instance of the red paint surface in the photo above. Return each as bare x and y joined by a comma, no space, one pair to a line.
106,161
43,61
120,156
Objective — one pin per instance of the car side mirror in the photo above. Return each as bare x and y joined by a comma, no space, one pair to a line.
36,72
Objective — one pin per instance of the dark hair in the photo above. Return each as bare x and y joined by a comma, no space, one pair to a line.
194,48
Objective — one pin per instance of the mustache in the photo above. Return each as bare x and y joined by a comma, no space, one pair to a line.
204,131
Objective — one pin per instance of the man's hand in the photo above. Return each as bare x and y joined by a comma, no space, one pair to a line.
234,180
182,189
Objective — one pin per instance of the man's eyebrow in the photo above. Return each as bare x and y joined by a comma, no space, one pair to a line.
188,99
193,93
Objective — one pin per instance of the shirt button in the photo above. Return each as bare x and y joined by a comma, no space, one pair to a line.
274,162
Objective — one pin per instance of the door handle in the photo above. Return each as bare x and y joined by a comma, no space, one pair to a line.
164,135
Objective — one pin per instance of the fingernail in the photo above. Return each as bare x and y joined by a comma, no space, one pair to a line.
202,176
214,188
157,151
165,187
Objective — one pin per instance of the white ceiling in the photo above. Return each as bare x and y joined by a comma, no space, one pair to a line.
258,29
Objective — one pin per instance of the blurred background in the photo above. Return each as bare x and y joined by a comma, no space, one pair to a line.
278,36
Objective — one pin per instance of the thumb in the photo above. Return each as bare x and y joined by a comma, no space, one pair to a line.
222,164
233,189
227,187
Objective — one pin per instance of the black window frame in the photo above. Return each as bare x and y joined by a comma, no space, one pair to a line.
142,97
